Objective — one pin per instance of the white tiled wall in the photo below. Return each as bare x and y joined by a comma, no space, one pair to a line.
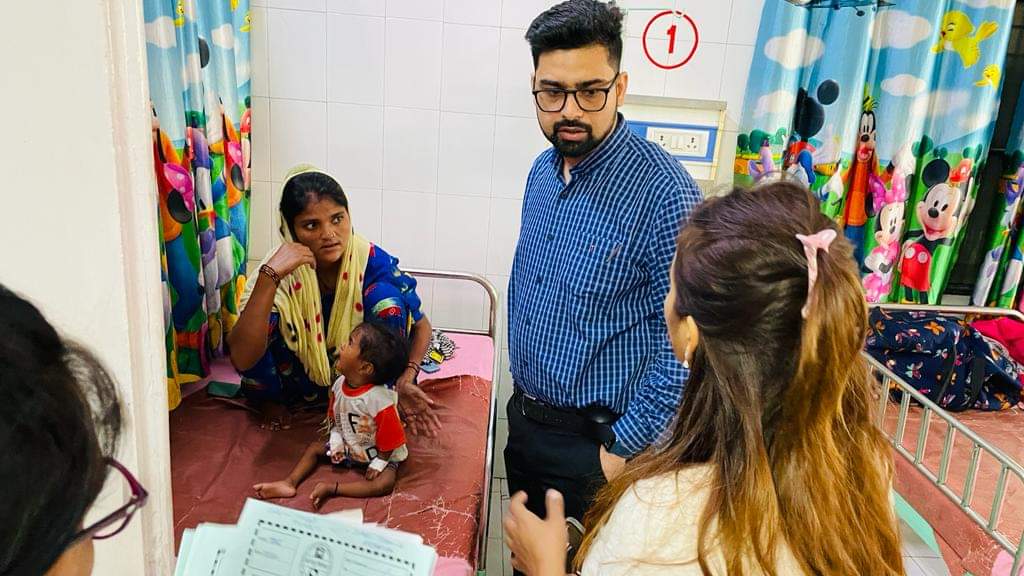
422,109
718,71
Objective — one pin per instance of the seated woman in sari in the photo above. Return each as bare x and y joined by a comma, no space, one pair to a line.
310,293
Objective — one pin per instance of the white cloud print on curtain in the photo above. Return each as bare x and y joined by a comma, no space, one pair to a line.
887,117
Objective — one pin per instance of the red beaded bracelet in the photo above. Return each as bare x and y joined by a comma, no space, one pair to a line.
270,273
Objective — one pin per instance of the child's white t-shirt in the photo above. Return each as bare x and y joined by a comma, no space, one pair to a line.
366,422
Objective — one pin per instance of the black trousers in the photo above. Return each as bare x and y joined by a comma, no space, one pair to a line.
539,457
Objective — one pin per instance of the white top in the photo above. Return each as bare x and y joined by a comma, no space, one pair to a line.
366,421
654,530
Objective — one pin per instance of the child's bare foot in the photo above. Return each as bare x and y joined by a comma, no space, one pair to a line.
321,492
279,489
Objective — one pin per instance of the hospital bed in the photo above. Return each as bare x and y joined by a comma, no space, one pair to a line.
218,451
959,472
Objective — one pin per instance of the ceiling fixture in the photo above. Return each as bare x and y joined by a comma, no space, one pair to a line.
837,4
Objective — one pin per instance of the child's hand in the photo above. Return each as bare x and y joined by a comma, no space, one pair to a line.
377,465
338,456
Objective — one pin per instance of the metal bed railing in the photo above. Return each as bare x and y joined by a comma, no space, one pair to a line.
988,520
492,331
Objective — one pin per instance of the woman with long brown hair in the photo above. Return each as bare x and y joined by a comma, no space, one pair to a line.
774,465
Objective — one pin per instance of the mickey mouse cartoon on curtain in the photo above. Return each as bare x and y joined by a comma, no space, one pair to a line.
808,120
939,214
862,170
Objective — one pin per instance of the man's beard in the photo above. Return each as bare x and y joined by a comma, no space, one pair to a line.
573,148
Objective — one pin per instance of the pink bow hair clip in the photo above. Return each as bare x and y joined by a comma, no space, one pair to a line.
818,241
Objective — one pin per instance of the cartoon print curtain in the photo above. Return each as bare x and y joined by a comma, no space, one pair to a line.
999,279
198,57
887,117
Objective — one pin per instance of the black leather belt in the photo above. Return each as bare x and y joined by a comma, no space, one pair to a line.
594,422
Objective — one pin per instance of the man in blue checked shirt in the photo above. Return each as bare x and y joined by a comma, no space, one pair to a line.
595,378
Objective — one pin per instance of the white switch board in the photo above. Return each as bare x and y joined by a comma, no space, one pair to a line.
691,131
679,141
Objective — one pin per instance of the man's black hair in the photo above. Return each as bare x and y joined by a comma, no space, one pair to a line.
577,24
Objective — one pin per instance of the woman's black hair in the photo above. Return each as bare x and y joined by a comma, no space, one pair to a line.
59,419
577,24
306,188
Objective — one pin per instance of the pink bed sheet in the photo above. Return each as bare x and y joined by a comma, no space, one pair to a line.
474,356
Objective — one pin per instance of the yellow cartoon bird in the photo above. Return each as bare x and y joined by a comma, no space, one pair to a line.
247,26
234,5
990,76
955,35
179,14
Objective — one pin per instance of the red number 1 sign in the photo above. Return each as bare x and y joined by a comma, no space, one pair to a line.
668,23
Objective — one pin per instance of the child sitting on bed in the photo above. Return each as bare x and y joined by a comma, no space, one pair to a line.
365,430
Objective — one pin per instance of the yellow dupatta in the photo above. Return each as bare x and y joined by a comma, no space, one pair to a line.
297,300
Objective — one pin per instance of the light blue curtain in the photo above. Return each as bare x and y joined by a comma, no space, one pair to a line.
887,116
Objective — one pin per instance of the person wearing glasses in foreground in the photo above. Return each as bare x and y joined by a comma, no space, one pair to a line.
595,378
60,421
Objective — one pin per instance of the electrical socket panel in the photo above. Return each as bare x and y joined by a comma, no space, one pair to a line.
680,141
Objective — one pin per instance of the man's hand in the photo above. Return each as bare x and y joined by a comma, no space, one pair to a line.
416,407
538,546
611,465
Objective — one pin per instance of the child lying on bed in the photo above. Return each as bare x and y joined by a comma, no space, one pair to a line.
365,430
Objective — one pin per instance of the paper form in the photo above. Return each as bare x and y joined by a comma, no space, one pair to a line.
271,540
286,542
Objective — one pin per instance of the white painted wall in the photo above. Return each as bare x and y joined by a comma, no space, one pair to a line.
422,109
78,235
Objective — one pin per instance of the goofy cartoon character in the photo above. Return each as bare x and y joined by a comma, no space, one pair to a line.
808,120
858,180
939,213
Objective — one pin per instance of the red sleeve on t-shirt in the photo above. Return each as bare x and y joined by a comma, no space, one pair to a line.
390,434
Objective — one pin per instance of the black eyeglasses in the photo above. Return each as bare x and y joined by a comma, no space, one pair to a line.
112,524
588,99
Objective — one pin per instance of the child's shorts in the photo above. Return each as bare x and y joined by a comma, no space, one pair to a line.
346,463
